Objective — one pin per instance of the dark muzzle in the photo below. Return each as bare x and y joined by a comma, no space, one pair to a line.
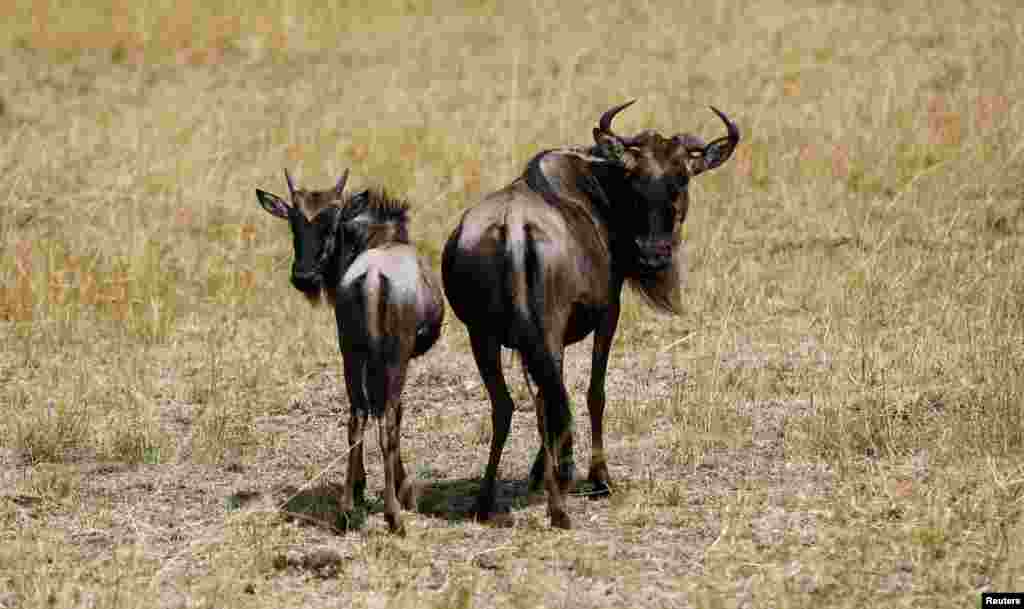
654,255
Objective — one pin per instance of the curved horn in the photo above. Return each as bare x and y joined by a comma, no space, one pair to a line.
340,187
731,128
605,124
291,186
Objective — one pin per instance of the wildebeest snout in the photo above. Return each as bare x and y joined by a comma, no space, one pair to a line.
657,246
654,254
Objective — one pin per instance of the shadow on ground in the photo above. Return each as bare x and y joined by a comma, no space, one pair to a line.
452,500
319,507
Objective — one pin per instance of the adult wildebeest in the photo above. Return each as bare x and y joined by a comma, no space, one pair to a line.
387,303
540,264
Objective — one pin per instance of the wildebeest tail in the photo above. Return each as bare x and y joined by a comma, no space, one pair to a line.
382,346
525,289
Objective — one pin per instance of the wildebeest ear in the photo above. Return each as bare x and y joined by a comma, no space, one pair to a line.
716,153
611,147
274,205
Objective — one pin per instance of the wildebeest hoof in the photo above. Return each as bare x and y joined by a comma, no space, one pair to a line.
501,520
599,489
395,524
561,520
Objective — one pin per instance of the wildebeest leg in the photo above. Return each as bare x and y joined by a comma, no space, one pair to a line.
596,399
566,464
355,481
555,421
487,353
387,427
404,485
540,461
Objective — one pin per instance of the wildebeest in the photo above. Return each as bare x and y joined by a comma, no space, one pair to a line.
540,264
387,303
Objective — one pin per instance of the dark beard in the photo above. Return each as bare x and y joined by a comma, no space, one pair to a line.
313,296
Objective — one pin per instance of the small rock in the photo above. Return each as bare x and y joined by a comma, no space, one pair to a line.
322,557
240,499
293,559
323,562
487,561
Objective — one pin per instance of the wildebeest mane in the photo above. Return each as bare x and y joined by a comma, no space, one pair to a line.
588,171
539,182
594,174
388,217
382,206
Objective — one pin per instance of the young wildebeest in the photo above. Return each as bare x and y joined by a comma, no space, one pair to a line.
540,264
387,303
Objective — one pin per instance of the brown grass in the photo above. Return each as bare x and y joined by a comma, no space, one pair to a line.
838,418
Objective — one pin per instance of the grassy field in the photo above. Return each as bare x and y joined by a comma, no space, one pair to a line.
837,420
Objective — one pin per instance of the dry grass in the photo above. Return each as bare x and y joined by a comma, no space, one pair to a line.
838,418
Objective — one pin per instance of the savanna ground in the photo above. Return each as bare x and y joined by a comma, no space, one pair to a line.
837,416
